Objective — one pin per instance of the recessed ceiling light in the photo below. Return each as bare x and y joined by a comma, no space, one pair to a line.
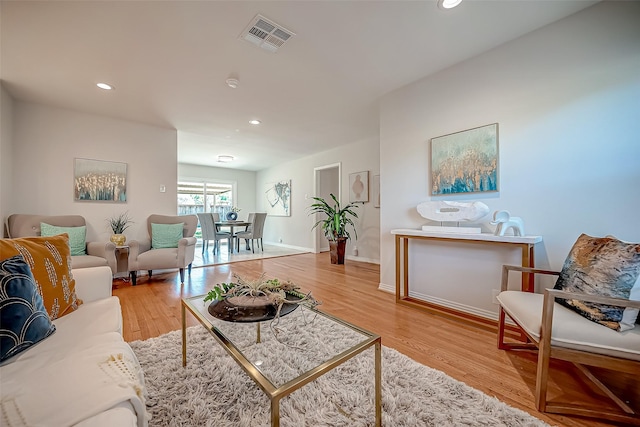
225,159
448,4
255,122
232,83
104,86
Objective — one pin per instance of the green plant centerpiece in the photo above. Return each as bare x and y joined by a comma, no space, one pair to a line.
119,224
335,225
261,299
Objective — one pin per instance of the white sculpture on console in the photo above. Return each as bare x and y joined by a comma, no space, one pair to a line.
453,211
460,212
505,221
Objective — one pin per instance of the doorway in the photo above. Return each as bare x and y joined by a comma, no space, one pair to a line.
327,180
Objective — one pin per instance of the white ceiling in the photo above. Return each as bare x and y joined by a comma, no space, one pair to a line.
169,60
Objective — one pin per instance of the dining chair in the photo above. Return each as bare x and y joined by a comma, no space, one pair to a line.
253,231
210,231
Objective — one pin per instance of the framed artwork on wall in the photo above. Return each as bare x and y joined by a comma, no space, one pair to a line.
465,162
375,191
359,187
278,195
100,181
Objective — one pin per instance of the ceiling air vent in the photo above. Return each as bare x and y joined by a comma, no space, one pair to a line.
266,34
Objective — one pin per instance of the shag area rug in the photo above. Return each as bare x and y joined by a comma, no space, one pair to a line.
214,391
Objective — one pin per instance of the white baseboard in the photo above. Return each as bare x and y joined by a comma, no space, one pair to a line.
444,303
282,245
387,288
362,259
455,305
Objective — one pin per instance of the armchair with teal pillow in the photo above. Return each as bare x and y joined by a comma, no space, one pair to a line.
83,254
171,244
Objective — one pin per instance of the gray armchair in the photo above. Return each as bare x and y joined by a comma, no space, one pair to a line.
142,256
98,253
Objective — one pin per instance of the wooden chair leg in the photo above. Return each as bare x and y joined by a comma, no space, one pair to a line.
542,377
501,344
544,353
182,275
133,277
149,271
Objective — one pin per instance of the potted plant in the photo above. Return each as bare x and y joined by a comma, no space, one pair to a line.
118,225
335,225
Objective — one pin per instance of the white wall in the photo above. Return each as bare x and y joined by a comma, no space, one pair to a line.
327,183
46,141
296,230
567,100
6,153
244,183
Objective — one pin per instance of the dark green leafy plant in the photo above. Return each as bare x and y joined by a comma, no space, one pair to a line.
335,224
120,223
219,291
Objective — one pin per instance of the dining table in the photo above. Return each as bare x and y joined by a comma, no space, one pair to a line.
231,225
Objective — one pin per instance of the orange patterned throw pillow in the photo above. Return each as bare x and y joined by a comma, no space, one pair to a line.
50,261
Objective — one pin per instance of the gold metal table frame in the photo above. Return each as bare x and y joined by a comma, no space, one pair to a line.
275,393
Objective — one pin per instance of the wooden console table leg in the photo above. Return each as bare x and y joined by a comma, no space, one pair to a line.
406,268
397,268
528,284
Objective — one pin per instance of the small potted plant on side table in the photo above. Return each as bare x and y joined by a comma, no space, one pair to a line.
118,225
335,225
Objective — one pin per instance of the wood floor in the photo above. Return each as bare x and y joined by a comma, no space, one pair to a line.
350,291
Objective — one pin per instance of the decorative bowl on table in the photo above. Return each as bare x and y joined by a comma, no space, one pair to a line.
249,309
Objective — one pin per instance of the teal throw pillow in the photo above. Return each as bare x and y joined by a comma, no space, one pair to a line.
166,235
77,236
23,318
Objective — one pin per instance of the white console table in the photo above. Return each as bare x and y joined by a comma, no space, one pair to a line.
402,237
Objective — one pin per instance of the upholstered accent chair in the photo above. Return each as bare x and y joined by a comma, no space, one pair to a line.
164,249
97,253
557,332
254,231
210,231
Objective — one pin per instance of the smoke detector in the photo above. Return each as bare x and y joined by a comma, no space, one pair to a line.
266,34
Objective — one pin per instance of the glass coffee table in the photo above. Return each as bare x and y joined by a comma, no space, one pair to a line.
298,337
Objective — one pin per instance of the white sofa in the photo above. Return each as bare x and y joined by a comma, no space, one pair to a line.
84,374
